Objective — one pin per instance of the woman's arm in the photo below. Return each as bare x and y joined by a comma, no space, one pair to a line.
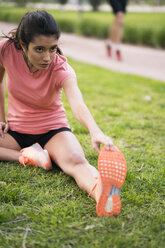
83,115
3,125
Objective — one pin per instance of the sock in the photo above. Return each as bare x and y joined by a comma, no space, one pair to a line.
109,43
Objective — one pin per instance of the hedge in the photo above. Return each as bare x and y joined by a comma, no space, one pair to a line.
86,26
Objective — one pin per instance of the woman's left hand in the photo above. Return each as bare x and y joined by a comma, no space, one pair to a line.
3,128
99,138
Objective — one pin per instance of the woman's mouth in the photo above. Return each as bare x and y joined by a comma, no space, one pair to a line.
44,65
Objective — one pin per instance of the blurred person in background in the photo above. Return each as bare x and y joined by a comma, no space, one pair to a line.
116,30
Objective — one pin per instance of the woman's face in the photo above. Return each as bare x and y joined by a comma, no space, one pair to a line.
41,51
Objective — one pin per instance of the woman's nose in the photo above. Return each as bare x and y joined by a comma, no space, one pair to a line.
46,57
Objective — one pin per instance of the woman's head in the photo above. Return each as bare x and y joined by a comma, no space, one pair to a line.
34,24
37,36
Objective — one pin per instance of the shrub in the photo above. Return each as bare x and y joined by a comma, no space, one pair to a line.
95,4
103,31
22,3
66,25
161,38
93,25
132,34
92,28
13,15
148,37
88,27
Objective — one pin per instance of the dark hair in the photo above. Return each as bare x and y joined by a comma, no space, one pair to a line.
32,24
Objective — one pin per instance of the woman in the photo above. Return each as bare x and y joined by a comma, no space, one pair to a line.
37,126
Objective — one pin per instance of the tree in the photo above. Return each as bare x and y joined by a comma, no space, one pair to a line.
63,1
22,3
95,4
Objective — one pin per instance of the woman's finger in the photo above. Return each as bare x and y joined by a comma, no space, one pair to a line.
6,128
2,125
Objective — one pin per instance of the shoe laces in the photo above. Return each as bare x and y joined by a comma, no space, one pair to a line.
96,178
26,160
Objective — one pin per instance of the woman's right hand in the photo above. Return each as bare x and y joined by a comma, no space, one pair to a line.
3,128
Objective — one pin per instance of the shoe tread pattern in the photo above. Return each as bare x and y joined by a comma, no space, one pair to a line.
112,169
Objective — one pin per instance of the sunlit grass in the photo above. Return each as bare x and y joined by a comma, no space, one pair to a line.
57,212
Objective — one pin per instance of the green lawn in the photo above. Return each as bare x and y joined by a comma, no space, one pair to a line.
46,209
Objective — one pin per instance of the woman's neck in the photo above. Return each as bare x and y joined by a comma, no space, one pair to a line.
29,65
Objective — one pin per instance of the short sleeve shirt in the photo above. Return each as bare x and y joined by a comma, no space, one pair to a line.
34,99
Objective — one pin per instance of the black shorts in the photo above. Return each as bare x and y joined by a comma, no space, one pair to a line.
118,5
25,140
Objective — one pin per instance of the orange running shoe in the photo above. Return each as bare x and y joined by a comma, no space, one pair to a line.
112,169
36,156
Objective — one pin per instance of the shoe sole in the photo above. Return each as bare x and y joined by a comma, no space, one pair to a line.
112,169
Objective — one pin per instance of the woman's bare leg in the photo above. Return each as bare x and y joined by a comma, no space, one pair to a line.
66,151
9,148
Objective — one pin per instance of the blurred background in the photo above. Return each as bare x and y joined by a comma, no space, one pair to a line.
144,22
96,4
86,24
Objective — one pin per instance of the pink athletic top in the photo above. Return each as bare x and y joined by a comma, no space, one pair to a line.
34,100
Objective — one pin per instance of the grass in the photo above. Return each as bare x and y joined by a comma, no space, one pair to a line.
50,204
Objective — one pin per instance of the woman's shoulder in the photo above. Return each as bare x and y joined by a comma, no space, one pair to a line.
62,69
8,52
61,64
6,44
3,45
3,42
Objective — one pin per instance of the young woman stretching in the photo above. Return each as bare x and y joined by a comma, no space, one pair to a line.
37,130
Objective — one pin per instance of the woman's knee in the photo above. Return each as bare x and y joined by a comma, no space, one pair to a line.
77,159
74,162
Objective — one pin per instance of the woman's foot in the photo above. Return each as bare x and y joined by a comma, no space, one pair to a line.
112,169
36,156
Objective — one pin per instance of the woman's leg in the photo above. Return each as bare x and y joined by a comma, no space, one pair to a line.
9,148
66,151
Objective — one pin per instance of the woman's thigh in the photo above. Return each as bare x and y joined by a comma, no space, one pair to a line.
9,142
66,151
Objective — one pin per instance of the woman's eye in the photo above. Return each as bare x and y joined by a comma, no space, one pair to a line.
39,49
53,49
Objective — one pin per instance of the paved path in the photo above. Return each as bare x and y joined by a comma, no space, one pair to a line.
141,61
